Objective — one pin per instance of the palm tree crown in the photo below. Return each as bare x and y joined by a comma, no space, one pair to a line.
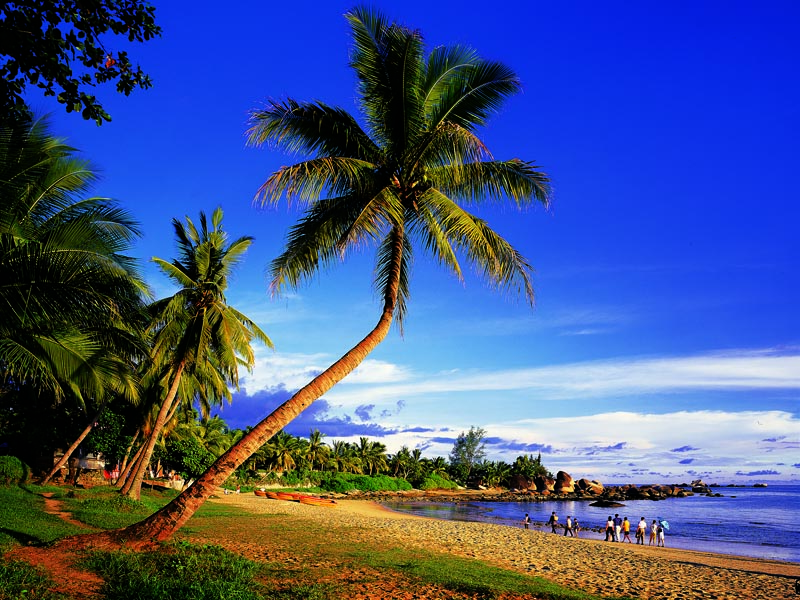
70,299
403,179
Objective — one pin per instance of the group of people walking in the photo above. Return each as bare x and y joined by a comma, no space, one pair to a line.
571,527
617,529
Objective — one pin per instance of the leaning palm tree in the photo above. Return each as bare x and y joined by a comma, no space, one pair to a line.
402,182
199,340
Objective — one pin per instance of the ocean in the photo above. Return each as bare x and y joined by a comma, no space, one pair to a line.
745,521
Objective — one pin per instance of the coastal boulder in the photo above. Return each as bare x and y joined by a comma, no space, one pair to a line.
520,482
564,483
544,484
700,487
593,487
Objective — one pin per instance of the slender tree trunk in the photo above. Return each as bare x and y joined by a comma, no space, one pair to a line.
161,525
125,474
135,489
124,466
133,468
63,460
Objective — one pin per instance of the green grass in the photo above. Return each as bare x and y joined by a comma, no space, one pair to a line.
105,508
182,570
24,522
20,580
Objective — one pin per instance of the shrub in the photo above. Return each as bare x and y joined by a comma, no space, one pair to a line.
437,482
338,484
12,470
342,483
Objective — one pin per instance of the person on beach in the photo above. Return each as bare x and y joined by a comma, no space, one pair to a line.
660,536
640,531
553,522
653,532
526,522
626,530
568,527
576,527
617,527
610,529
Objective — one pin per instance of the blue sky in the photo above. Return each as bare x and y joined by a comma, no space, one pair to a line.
665,340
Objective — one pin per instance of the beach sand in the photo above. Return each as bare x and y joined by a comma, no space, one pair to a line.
590,565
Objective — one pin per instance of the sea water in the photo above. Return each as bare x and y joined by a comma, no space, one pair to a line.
757,522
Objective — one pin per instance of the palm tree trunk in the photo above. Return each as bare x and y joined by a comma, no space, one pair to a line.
124,466
161,525
127,479
125,474
63,460
135,488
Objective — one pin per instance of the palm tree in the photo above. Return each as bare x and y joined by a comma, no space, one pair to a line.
401,182
372,455
282,451
344,458
317,451
400,462
70,299
199,341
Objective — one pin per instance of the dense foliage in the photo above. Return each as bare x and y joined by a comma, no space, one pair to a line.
469,450
12,470
63,47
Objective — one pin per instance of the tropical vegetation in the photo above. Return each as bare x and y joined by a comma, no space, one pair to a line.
137,379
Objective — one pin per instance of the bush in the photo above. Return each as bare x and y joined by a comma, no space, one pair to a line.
342,483
437,482
337,483
12,470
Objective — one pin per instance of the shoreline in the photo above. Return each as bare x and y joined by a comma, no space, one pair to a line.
579,563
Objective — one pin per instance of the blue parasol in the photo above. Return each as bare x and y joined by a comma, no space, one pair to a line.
664,524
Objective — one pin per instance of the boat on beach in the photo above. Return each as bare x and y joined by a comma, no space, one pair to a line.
314,501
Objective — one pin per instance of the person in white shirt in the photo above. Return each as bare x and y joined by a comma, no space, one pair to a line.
641,530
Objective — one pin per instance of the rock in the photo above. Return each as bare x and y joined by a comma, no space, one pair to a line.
544,483
564,483
606,504
595,488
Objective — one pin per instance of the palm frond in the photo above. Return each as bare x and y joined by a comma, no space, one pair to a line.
494,258
310,128
470,95
306,181
316,239
389,65
518,180
386,261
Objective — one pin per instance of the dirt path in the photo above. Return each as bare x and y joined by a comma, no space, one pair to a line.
59,563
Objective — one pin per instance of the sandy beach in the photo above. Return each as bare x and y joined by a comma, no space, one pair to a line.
590,565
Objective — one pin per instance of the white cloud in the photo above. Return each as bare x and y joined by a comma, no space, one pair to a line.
275,370
376,371
746,370
640,447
